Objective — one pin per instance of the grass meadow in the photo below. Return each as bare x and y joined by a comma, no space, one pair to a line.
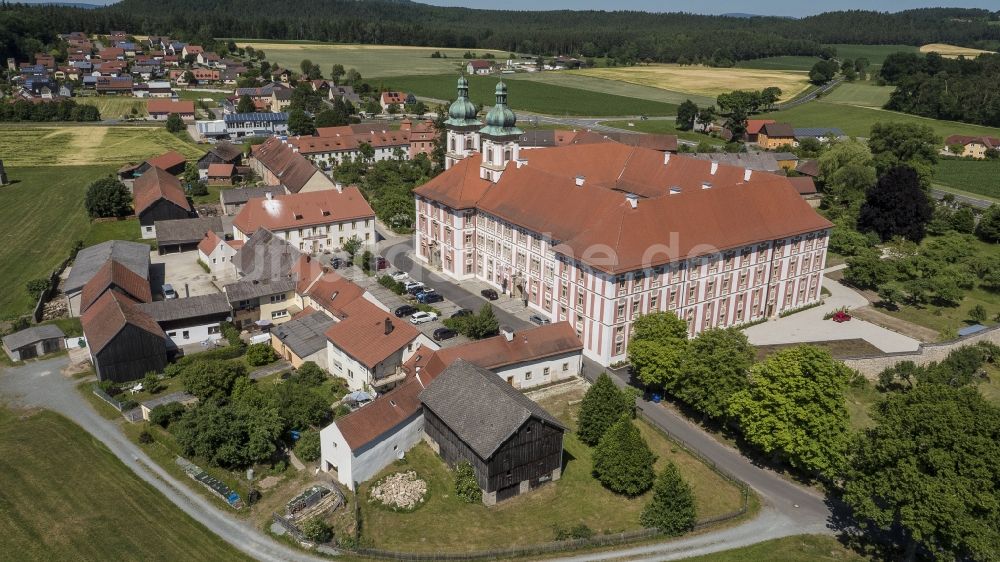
703,80
578,80
864,94
64,496
115,107
798,548
75,145
981,177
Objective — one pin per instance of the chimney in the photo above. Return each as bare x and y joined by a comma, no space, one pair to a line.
269,195
508,333
633,200
339,187
388,326
675,190
746,174
580,180
521,162
666,158
715,167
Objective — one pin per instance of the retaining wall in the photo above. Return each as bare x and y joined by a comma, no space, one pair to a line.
871,365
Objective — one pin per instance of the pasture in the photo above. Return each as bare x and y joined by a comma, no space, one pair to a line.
76,145
573,79
875,54
981,177
953,51
787,62
703,80
372,61
530,95
115,107
864,94
66,497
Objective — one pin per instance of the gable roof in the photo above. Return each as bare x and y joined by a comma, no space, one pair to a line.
113,274
459,188
327,288
133,255
209,243
241,195
531,344
291,169
169,310
754,125
110,315
160,105
817,132
265,256
387,411
190,230
362,333
156,184
167,160
220,170
479,407
803,184
988,142
32,335
299,210
304,335
780,130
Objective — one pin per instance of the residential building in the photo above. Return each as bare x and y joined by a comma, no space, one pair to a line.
279,165
114,85
478,67
334,145
718,245
124,342
775,136
281,99
264,301
239,125
512,443
34,342
190,320
753,129
222,152
160,109
159,196
90,260
398,99
303,338
218,253
972,147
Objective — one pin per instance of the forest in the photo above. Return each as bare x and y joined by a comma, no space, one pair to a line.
628,36
952,89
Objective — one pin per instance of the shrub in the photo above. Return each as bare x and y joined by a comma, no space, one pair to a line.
166,414
151,383
198,189
466,485
623,462
602,406
260,354
145,437
36,287
671,509
231,334
308,447
580,531
310,374
317,530
391,284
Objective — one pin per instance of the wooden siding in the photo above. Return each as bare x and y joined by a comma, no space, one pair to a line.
162,210
534,451
130,355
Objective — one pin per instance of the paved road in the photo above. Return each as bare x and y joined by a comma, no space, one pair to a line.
42,385
811,95
964,199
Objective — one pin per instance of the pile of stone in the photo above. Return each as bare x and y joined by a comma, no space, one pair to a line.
402,490
54,309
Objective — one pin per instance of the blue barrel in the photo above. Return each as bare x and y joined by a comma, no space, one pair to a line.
657,398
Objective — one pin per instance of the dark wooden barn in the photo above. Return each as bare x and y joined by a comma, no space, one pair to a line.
124,342
158,197
513,444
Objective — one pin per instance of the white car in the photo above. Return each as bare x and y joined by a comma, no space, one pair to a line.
422,317
412,284
399,276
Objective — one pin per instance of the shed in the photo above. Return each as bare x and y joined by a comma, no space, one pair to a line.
34,342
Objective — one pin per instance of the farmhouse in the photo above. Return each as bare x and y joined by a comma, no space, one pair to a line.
472,416
279,165
34,342
160,109
774,136
265,300
124,342
191,320
972,147
222,152
172,162
113,276
159,196
217,253
311,222
90,260
717,244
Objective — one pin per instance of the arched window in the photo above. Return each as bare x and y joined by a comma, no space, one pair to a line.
506,155
452,141
489,154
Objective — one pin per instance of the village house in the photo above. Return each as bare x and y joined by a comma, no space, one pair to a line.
222,152
217,253
971,147
192,50
303,338
281,99
775,136
334,145
266,290
89,260
279,165
398,99
160,109
344,93
190,321
478,67
111,85
159,196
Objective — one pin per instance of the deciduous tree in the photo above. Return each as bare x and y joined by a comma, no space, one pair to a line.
896,206
657,348
108,197
717,366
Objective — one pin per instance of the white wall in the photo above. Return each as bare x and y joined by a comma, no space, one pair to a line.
527,375
195,334
361,465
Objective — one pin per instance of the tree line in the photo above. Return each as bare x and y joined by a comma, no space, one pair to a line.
953,89
62,110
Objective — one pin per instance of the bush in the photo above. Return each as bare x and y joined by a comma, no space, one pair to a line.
310,374
260,354
166,414
145,437
466,485
204,266
391,284
231,334
151,383
317,530
581,531
307,447
36,287
198,189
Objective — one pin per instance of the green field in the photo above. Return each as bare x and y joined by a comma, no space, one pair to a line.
372,61
72,145
529,95
981,177
864,94
857,121
662,127
115,107
579,81
63,496
788,62
799,548
875,54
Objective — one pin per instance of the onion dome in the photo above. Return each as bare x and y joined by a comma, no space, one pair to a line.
501,121
462,112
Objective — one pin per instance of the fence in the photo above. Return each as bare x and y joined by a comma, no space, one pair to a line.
290,527
107,398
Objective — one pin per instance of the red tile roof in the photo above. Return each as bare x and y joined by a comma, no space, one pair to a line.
531,344
300,210
384,413
168,160
114,275
157,184
394,98
459,188
220,170
327,288
290,168
209,243
361,334
988,142
803,184
183,107
754,125
110,315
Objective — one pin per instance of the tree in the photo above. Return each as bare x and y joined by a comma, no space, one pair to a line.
891,294
151,383
212,379
848,171
351,246
108,197
174,123
259,354
299,123
336,73
230,435
963,220
671,509
927,472
717,365
36,287
896,206
602,406
166,414
623,462
794,408
686,114
466,485
904,144
307,447
988,228
298,406
305,66
657,348
823,71
978,313
317,530
245,105
310,374
484,324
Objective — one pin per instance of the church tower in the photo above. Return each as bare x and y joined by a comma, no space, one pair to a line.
499,138
462,125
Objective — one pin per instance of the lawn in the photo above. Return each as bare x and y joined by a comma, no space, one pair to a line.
115,107
703,80
73,145
799,548
580,81
447,524
981,177
864,94
127,229
65,497
953,51
372,61
662,127
837,348
529,95
857,121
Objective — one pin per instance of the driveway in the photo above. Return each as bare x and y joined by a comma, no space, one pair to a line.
183,272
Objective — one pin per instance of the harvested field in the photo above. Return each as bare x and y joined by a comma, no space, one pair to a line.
704,81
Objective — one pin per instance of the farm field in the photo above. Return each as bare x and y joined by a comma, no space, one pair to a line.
981,177
372,61
41,216
446,524
115,107
865,94
704,81
787,62
952,51
574,79
857,121
74,145
65,497
529,95
876,54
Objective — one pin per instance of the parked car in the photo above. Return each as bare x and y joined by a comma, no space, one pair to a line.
425,291
411,284
423,317
428,298
416,289
168,291
405,310
461,313
538,319
444,334
489,294
337,263
399,276
381,263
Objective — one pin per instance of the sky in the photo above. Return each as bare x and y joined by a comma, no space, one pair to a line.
793,8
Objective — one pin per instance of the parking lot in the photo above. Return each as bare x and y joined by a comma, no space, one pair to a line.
182,272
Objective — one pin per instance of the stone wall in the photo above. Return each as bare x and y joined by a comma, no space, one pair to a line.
871,365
